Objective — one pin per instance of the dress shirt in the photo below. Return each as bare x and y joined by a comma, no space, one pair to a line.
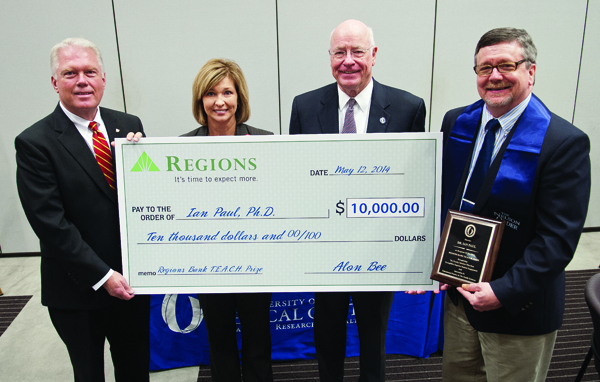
361,108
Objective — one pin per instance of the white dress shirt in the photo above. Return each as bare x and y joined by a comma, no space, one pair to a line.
361,108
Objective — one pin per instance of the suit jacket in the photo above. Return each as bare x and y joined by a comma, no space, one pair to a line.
316,112
241,129
71,208
529,277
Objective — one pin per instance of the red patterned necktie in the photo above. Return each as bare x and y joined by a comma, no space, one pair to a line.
103,155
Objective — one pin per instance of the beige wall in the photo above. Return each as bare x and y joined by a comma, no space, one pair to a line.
424,46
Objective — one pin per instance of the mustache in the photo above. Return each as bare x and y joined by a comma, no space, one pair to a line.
501,85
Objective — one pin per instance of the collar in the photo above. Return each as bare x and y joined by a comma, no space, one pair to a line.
508,120
79,122
363,99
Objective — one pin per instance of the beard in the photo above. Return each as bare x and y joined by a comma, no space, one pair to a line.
498,103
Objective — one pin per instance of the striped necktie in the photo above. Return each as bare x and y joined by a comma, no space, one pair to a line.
103,155
349,124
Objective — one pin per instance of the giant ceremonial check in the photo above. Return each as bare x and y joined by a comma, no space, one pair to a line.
280,213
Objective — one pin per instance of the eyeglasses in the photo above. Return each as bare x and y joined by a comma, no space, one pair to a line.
505,67
355,53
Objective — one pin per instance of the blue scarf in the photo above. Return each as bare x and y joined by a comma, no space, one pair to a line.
514,181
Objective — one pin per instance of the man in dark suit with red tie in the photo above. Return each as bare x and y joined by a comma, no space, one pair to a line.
66,182
536,178
355,103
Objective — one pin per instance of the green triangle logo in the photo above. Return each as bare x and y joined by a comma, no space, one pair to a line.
144,163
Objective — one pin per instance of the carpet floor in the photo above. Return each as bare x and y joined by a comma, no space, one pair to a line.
10,306
572,344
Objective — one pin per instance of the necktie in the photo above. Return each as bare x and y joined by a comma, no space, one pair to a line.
103,155
481,166
349,124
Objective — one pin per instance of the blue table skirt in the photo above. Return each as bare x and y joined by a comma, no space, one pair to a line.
178,335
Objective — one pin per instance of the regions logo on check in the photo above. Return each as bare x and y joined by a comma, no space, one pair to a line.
144,163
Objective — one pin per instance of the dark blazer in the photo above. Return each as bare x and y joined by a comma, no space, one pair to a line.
241,129
529,277
71,208
253,311
316,112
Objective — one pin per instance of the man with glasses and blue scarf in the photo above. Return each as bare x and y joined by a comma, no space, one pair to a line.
509,158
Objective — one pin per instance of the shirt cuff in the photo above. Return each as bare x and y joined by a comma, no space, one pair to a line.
101,282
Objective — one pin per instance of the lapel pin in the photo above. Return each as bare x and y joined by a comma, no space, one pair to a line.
117,130
382,120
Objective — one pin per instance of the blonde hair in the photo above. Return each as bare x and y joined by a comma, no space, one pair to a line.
213,72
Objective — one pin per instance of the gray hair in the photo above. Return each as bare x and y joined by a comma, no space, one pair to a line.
371,38
77,42
502,35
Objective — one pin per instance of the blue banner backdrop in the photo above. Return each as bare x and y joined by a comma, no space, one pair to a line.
178,335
